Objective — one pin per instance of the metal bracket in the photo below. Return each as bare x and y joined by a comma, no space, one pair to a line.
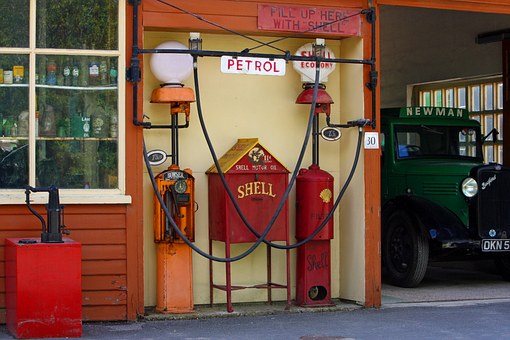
373,80
134,73
370,15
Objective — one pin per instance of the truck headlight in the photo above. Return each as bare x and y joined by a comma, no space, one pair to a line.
469,187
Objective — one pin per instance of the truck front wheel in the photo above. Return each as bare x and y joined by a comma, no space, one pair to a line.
405,251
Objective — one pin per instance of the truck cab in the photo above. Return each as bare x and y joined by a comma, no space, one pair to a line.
439,200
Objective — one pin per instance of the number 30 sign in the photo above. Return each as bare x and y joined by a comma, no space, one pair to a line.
371,140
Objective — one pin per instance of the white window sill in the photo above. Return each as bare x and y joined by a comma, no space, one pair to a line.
91,196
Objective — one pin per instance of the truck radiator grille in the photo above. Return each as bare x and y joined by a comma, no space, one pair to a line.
493,208
450,189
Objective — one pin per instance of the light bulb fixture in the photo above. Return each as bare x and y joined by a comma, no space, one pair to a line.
319,48
195,42
171,68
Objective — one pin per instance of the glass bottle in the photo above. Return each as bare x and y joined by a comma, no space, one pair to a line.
93,73
66,71
75,74
103,72
113,75
84,72
51,72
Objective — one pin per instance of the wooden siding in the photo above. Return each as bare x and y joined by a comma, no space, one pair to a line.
240,16
485,6
101,230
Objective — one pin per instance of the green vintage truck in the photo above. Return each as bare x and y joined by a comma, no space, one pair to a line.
439,200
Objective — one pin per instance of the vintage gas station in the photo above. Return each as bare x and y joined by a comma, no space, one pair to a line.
248,159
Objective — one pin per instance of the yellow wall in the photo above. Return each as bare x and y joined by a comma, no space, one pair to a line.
246,106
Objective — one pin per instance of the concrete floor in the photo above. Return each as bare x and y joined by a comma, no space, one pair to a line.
452,281
448,282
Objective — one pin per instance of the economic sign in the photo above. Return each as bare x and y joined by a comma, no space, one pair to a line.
307,68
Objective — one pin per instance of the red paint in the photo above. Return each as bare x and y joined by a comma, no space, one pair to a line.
314,274
314,201
43,289
257,181
324,20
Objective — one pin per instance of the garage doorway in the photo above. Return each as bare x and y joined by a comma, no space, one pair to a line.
422,46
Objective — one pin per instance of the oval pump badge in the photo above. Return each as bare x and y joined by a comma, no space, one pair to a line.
156,157
331,133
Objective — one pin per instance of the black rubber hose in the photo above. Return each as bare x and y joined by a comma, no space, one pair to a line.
294,174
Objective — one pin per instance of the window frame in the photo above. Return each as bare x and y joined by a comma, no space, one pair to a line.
73,196
424,94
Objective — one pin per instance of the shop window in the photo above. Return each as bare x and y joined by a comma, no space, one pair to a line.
60,95
482,97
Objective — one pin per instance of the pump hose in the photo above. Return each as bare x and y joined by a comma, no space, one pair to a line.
294,174
179,232
260,237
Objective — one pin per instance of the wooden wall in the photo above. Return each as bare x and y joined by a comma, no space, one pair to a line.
484,6
240,16
102,232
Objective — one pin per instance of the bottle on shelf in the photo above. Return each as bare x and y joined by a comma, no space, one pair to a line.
47,121
42,72
51,72
66,72
8,78
114,124
93,72
113,75
18,73
100,123
103,72
75,74
84,72
23,124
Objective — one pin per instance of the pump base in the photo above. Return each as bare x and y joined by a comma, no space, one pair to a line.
43,288
174,279
313,286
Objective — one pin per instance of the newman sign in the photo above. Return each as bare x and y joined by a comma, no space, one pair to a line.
323,20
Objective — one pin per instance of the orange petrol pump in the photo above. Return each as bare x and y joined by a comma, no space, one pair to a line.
174,257
174,265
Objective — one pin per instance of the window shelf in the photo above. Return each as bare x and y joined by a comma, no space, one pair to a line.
14,139
62,87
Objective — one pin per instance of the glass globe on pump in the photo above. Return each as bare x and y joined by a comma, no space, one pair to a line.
172,69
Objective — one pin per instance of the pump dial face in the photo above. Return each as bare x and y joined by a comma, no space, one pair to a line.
180,186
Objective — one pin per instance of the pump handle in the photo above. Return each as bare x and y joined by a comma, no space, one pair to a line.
360,122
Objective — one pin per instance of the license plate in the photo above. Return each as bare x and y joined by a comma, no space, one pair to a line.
495,245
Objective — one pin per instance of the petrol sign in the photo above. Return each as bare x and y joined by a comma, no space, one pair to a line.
251,65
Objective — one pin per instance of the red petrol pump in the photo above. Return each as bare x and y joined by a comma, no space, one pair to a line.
43,283
174,257
314,201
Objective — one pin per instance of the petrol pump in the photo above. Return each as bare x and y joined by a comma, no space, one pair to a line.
176,187
314,196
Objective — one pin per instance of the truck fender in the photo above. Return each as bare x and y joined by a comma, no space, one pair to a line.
438,222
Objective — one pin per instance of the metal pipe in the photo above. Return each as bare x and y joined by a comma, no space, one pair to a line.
287,56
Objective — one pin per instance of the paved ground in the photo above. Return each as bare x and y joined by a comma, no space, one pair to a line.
454,302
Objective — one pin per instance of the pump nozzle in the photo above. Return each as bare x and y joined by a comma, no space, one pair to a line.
360,122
